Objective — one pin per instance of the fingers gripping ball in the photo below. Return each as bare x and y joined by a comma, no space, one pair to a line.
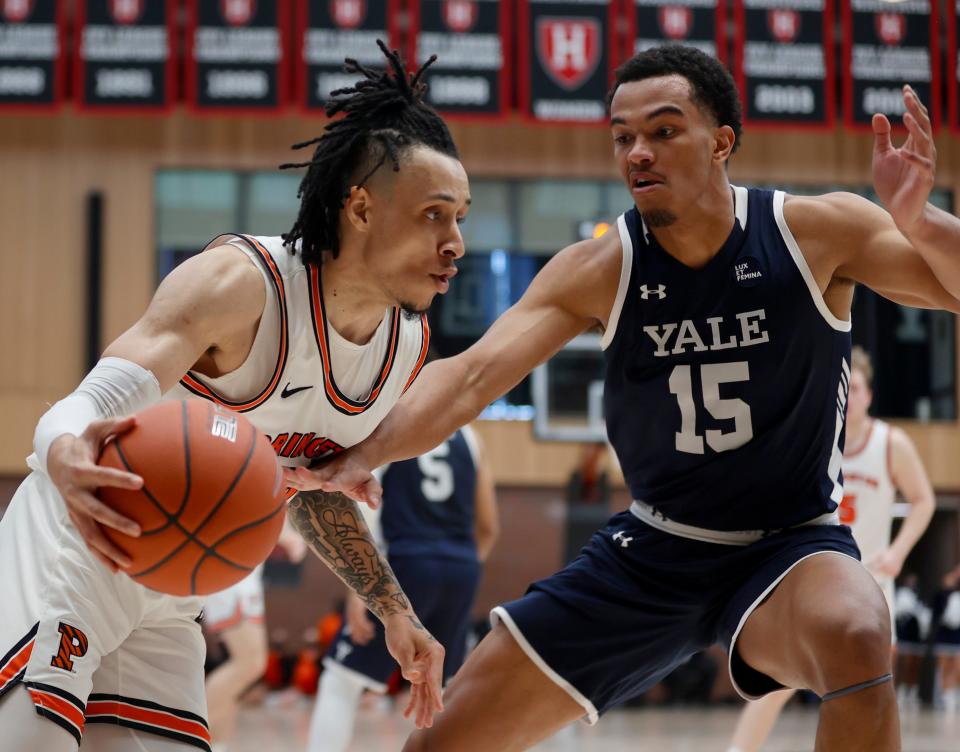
212,504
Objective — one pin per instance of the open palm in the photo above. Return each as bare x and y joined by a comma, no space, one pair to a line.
904,176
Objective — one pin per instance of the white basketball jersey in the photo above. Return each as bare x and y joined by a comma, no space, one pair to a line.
869,491
286,386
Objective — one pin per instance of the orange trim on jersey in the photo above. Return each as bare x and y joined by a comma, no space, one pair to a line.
54,704
863,444
189,381
337,398
424,347
158,719
17,662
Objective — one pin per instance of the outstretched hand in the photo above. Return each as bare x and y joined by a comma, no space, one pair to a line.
347,473
421,662
904,176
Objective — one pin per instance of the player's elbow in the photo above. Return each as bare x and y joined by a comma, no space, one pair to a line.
925,505
486,540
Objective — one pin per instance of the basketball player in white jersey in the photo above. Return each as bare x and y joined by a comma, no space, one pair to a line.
313,337
878,462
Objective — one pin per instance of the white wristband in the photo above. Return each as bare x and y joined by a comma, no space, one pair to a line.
114,388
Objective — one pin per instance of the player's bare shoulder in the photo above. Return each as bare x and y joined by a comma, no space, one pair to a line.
220,283
831,222
832,228
209,308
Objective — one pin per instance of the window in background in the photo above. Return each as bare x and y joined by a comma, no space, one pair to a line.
193,207
271,202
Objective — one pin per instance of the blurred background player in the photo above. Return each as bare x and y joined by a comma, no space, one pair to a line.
439,522
879,462
912,627
946,614
235,617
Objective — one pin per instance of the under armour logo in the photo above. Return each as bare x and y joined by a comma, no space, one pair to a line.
623,538
660,292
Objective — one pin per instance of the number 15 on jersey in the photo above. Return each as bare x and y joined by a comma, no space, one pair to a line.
712,375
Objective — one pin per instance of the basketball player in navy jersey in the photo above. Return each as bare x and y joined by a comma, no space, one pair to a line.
438,524
727,338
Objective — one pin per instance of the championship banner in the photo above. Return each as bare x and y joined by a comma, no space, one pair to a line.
783,53
471,39
566,58
884,47
123,57
32,35
953,62
236,54
329,31
698,23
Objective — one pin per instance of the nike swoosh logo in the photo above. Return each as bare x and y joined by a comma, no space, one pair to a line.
288,392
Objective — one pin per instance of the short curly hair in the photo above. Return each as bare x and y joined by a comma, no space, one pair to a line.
713,88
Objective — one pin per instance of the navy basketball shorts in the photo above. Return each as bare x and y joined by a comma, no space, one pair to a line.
638,602
441,592
909,639
947,641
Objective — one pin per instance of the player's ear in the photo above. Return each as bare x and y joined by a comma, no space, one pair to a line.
357,207
723,140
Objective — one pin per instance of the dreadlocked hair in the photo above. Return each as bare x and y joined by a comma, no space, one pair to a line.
384,116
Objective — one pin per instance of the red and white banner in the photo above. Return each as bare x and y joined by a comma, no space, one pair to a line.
32,54
698,23
472,75
887,45
237,57
784,62
124,58
328,31
567,55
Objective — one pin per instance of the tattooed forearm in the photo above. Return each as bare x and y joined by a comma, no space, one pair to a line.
333,527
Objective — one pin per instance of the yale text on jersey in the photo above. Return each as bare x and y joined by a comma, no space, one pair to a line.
716,333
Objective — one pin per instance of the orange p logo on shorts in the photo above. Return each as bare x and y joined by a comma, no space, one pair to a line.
73,644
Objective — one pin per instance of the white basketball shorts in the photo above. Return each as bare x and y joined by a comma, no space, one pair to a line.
92,646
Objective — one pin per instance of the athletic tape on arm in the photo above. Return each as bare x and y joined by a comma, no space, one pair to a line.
114,388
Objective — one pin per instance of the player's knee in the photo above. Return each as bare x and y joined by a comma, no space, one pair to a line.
850,647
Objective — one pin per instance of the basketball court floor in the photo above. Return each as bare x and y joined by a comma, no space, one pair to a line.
280,724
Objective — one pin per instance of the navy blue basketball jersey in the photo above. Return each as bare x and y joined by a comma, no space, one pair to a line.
428,501
726,385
